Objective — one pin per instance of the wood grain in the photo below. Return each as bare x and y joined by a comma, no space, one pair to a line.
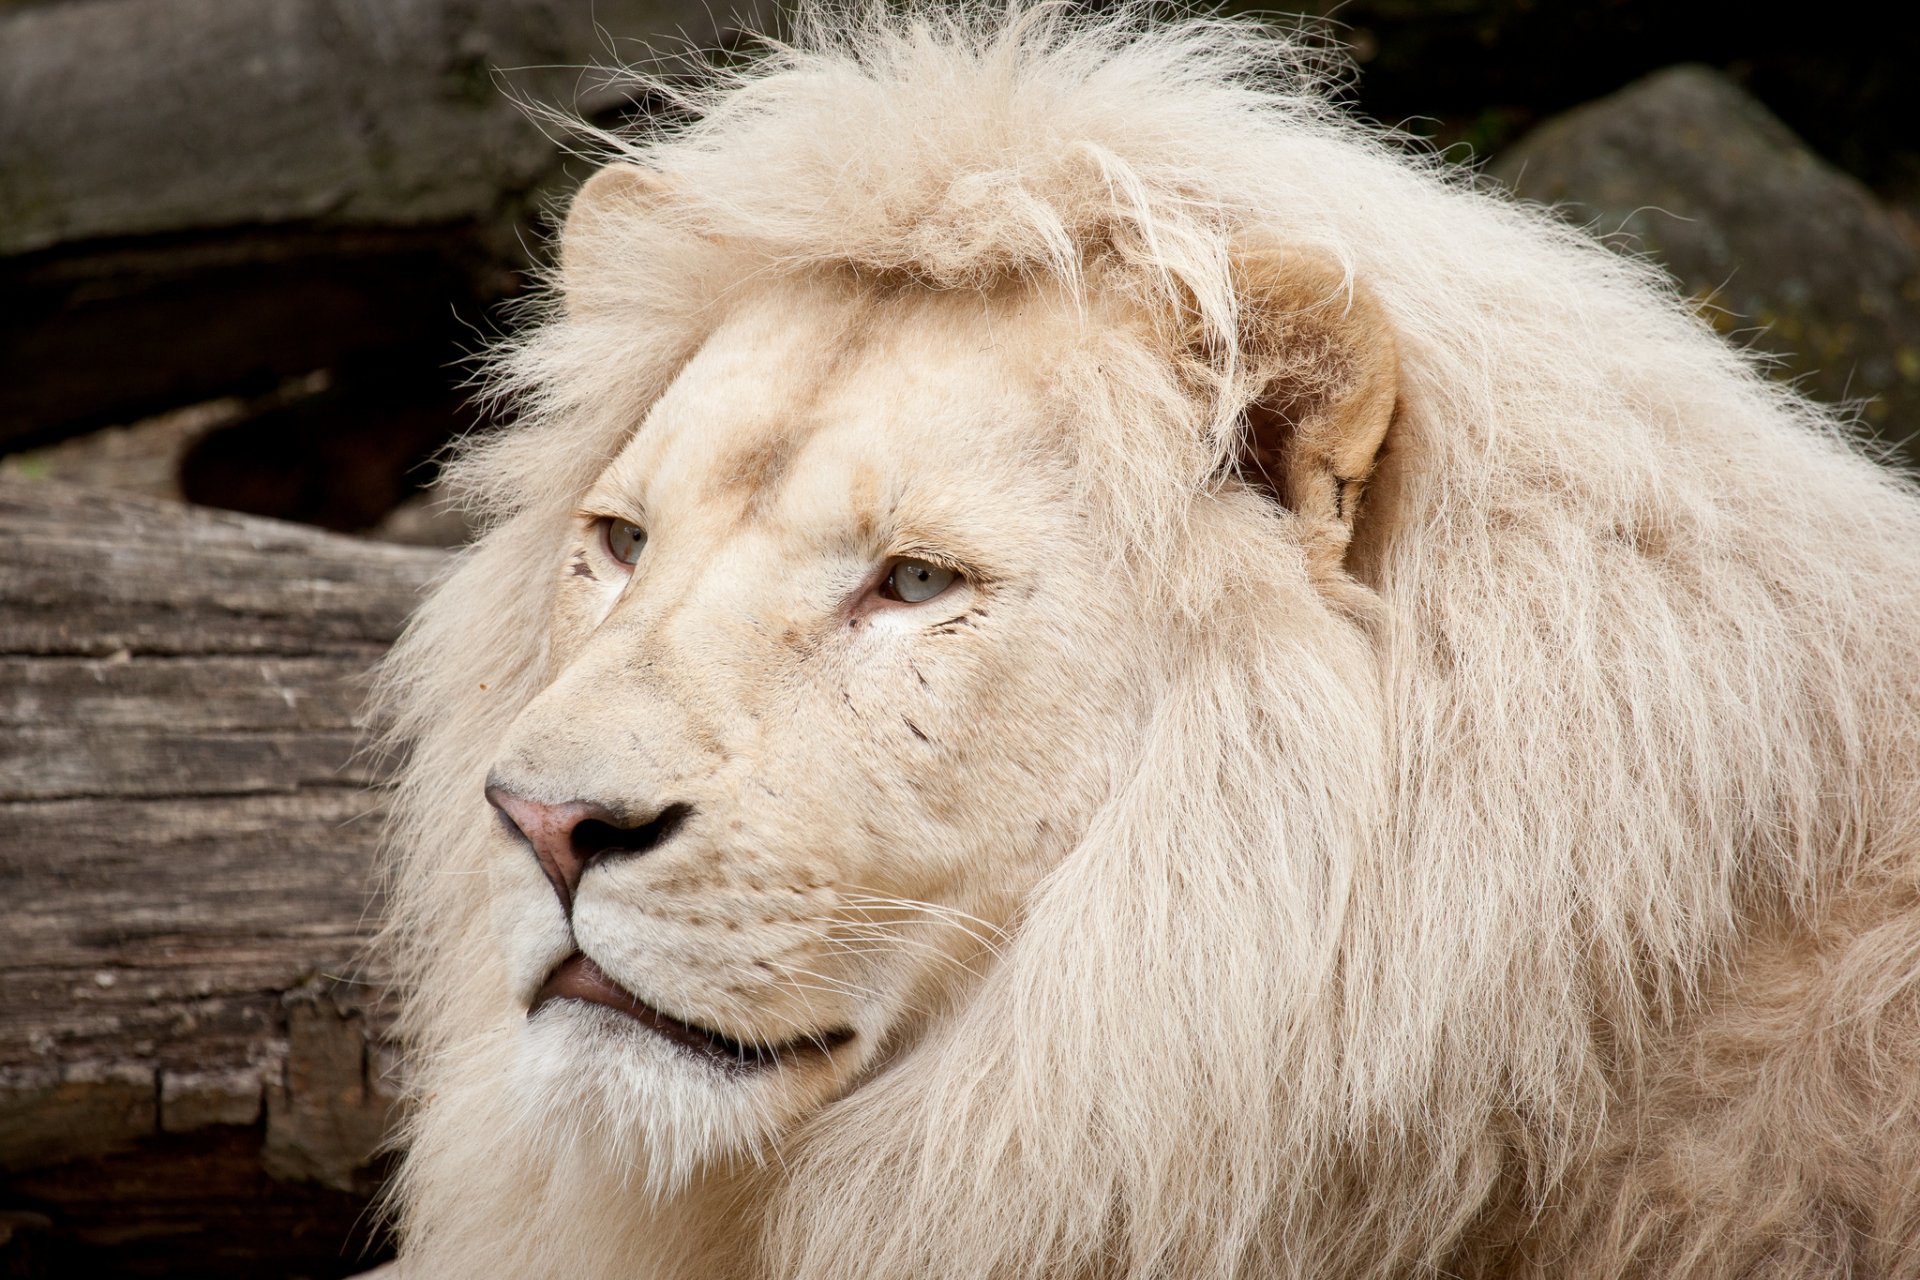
192,1077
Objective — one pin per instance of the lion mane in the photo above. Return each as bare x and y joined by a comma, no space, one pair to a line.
1550,910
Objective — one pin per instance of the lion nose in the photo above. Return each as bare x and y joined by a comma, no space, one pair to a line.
569,837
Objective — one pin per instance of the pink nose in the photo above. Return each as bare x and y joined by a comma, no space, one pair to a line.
569,837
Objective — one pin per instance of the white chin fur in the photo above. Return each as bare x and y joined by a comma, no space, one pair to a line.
652,1112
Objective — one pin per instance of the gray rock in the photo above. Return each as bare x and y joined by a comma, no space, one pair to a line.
1780,248
142,458
136,117
426,519
203,199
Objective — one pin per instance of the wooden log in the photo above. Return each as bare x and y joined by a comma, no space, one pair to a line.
192,1075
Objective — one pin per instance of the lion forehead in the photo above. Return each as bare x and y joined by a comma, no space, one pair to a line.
816,406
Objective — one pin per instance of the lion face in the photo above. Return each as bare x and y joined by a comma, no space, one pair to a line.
822,707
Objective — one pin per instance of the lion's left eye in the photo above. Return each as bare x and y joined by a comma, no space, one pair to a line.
625,541
912,581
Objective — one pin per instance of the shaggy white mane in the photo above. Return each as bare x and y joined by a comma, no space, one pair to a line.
1555,917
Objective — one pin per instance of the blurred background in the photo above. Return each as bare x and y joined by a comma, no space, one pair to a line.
247,249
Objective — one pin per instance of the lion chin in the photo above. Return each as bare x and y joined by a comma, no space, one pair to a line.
636,1079
1081,669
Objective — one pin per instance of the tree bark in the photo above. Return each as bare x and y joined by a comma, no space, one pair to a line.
192,1074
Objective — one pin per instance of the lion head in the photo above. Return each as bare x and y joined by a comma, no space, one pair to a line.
1081,668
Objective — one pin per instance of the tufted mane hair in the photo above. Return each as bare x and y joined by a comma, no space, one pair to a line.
1387,921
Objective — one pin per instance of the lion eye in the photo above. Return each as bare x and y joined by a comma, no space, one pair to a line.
625,541
912,581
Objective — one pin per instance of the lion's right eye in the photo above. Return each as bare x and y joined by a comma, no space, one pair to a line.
915,581
625,541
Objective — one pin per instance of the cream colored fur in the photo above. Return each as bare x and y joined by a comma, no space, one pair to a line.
1486,849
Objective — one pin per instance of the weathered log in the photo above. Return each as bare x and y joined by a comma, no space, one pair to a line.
192,1078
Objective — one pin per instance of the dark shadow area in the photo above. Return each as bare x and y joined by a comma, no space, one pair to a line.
201,1195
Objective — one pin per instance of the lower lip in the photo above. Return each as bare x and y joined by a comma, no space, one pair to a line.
579,978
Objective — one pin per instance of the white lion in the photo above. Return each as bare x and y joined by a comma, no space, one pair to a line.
1086,669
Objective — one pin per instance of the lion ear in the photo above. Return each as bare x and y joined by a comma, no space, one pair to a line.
599,220
1323,356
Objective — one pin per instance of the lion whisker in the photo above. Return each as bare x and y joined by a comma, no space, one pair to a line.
984,932
863,896
883,947
839,986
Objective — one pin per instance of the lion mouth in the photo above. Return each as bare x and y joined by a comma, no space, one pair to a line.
579,978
